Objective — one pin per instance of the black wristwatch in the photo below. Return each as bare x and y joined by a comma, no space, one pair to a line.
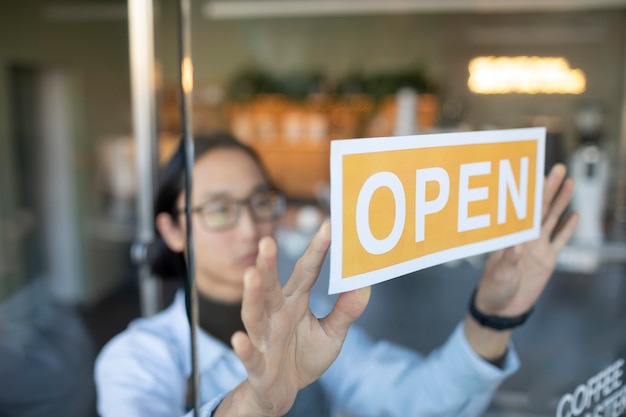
496,322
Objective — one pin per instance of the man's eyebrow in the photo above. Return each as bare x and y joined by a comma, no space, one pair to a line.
224,195
220,195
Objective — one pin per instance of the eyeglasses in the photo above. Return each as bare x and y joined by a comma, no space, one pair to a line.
265,206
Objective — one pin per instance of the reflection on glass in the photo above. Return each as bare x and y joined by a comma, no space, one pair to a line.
45,357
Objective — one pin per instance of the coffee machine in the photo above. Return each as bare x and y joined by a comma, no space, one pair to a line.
589,167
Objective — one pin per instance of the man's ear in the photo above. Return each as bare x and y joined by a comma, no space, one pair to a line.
172,233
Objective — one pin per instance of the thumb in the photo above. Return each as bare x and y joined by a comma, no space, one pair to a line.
349,307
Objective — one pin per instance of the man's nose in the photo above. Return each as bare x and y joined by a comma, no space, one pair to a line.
247,223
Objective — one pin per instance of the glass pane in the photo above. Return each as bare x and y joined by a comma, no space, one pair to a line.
66,282
287,81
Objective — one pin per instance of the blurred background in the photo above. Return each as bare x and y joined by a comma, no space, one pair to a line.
89,108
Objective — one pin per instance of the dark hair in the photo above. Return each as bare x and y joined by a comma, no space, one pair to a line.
164,262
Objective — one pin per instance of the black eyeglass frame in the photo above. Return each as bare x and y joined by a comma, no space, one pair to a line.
277,212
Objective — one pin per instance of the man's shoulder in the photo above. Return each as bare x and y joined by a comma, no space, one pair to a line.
155,336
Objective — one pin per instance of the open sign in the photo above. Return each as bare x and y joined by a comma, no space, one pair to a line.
401,204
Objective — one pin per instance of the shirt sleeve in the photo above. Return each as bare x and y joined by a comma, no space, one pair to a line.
138,375
383,379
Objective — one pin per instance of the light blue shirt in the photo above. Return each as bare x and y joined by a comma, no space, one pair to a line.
144,371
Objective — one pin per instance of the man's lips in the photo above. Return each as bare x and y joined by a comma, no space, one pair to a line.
249,259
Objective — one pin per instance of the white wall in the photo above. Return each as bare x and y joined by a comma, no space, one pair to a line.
96,55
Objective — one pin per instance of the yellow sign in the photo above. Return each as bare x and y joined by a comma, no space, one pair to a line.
405,203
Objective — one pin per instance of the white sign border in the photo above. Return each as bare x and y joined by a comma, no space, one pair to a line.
339,148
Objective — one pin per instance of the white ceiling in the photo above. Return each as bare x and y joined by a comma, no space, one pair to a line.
247,9
251,9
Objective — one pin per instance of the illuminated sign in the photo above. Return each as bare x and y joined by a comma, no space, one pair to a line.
401,204
524,74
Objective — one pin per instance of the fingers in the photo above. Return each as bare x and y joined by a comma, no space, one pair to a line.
268,271
557,207
310,263
250,357
253,312
349,307
552,184
564,234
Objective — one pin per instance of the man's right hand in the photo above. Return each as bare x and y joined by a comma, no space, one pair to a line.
286,347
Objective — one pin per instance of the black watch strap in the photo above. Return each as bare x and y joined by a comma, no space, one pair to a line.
496,322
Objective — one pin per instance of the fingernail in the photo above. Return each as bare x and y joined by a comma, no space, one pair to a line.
325,228
247,277
558,168
266,248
